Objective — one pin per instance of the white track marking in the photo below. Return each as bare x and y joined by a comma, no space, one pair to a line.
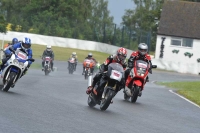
184,98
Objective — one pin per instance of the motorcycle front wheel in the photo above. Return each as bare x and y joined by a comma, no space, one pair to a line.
107,100
86,74
9,81
136,91
46,71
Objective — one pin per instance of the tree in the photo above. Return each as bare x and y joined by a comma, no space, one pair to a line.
65,18
3,24
142,19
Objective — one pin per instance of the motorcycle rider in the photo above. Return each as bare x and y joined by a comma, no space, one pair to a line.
89,57
141,54
24,46
14,40
48,52
73,55
119,57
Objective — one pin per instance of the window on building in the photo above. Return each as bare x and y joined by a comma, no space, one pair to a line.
184,42
176,41
187,42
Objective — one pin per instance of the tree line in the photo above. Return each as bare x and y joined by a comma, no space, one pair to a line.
81,19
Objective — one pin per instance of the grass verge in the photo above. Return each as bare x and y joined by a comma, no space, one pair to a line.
190,90
63,53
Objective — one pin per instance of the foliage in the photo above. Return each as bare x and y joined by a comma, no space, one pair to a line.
192,0
144,17
3,24
71,18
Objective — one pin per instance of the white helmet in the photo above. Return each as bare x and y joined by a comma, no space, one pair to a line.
48,48
142,48
90,55
73,54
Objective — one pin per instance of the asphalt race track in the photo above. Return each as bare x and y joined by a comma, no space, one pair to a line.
58,104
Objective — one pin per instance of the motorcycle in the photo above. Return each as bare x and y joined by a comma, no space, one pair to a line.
14,68
47,65
71,63
136,80
88,65
104,96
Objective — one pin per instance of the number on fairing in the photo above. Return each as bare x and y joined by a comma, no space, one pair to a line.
142,65
116,75
22,55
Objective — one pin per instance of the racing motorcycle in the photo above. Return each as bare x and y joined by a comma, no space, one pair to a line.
88,65
114,76
14,68
71,63
136,80
47,65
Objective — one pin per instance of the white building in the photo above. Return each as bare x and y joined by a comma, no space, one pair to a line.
180,26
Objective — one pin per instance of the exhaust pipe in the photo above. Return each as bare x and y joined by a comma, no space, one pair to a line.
90,80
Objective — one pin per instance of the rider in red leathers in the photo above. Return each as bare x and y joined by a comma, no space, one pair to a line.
141,54
120,57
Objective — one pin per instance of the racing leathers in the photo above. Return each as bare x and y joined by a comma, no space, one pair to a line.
92,69
136,56
15,47
49,54
99,80
76,61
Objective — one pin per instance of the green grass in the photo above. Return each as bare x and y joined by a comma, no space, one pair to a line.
190,90
63,53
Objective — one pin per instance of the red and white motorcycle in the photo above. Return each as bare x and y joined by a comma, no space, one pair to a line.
136,80
47,65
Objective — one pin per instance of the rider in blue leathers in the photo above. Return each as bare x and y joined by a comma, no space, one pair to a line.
24,46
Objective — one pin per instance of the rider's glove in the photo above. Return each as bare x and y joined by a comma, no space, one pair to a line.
29,62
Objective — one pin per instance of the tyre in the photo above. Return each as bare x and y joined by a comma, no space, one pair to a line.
69,68
90,101
86,74
136,91
46,71
107,100
9,82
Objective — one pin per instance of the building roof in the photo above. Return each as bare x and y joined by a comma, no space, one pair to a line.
180,19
